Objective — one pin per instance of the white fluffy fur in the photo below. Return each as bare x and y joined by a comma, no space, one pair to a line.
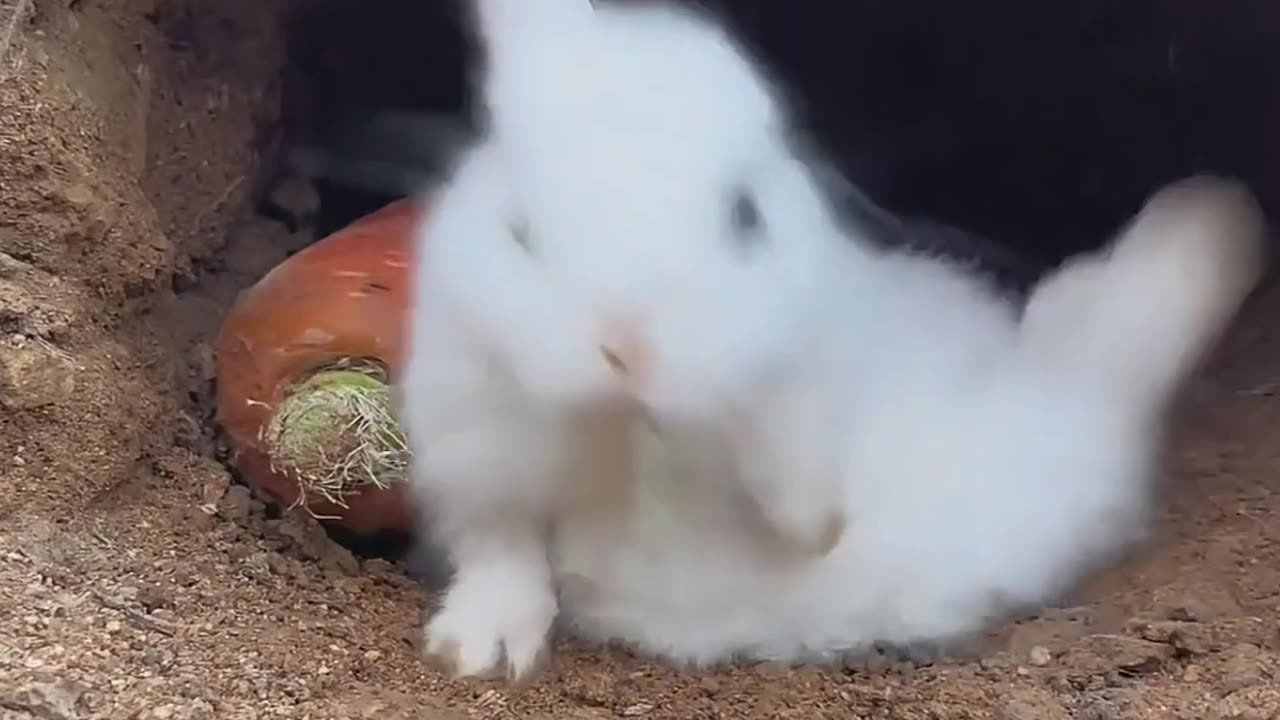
986,462
877,448
616,137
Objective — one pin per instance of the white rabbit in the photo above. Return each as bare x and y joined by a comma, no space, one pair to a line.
984,461
637,233
610,236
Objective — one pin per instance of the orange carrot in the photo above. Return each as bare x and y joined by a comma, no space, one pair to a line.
304,363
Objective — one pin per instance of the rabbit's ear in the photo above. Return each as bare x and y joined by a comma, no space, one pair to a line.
504,26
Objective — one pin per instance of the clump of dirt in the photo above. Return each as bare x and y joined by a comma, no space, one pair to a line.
142,581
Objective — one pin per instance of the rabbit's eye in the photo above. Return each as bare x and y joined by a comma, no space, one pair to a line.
520,234
745,220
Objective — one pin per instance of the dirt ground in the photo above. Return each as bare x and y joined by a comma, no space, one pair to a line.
140,581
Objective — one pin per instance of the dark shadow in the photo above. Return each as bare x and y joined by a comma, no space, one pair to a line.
1040,125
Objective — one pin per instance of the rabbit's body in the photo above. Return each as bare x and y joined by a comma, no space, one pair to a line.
880,447
973,478
623,199
987,460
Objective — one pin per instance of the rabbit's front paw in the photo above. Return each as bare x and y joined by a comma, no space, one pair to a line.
491,625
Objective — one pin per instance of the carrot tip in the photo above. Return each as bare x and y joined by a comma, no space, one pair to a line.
336,434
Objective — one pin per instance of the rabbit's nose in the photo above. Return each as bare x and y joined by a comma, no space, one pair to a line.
625,349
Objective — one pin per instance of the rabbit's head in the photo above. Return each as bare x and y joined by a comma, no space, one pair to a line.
637,223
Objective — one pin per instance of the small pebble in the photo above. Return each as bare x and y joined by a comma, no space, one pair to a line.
772,669
1039,656
152,597
877,663
236,504
201,520
994,662
153,657
185,577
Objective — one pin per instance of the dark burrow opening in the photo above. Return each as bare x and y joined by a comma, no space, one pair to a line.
1041,127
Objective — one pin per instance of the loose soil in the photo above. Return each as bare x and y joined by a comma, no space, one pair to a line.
142,581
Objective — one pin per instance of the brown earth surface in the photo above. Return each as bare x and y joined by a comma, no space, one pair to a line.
139,581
